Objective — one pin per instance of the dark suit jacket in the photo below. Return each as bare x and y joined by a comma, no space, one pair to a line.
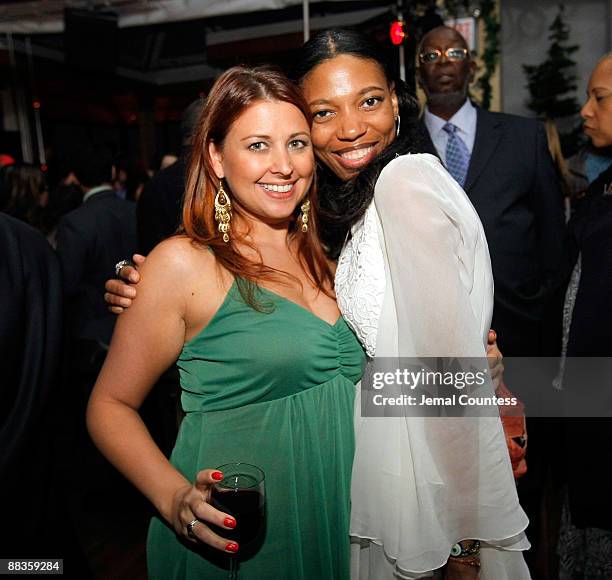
513,185
90,240
159,206
30,339
30,333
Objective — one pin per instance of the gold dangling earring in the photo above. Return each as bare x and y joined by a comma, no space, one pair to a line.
304,217
223,211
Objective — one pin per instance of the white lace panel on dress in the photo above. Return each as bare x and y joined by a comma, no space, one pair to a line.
360,280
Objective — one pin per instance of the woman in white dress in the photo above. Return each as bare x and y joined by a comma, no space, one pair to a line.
413,279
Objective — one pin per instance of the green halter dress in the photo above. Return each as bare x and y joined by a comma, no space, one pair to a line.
274,389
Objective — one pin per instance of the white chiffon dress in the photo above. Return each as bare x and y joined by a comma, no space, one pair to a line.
414,279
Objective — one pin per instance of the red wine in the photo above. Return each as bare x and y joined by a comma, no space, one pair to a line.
247,506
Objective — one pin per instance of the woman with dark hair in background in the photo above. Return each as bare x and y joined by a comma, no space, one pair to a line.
24,193
585,542
62,200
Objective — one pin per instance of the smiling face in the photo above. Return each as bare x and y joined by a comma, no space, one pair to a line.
267,160
445,82
597,111
354,110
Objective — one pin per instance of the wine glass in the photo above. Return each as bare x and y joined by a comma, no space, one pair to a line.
241,493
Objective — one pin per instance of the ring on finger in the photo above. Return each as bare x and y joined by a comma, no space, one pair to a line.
190,527
122,264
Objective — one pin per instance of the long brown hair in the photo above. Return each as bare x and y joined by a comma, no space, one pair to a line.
233,92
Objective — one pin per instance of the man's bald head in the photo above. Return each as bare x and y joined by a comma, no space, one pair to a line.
445,31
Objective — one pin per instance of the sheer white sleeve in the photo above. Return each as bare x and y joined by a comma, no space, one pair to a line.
438,260
420,484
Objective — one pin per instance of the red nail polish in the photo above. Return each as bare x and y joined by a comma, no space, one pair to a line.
217,475
231,547
229,522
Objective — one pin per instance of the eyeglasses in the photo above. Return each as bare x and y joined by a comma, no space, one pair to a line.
451,54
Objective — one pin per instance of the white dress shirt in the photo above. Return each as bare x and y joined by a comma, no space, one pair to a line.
465,119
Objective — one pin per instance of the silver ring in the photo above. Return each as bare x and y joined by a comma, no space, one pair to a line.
190,526
123,264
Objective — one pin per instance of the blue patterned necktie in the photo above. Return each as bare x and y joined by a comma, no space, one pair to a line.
457,154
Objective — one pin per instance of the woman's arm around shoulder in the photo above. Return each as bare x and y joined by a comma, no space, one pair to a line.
151,334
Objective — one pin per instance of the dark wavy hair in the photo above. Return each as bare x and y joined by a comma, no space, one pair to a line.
342,204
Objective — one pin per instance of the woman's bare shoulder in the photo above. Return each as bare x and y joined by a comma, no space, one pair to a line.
179,268
179,256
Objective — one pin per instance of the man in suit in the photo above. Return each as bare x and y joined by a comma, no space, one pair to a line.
33,494
90,240
503,163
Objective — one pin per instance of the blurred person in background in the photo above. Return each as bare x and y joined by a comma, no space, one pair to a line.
90,239
120,175
586,166
585,545
23,193
62,200
33,497
159,206
561,165
167,160
137,176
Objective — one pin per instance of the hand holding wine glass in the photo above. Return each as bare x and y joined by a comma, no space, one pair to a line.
241,492
191,512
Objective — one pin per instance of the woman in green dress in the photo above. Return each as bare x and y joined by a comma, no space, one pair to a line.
244,299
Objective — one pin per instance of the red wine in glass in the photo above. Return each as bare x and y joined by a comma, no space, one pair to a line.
241,494
247,506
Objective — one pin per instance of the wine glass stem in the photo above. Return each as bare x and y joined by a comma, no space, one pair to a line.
233,569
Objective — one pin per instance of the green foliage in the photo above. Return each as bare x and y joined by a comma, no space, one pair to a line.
490,54
552,82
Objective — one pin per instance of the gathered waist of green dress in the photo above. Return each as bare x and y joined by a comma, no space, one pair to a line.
237,400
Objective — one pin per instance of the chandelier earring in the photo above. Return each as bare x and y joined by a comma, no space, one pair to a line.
304,216
223,212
